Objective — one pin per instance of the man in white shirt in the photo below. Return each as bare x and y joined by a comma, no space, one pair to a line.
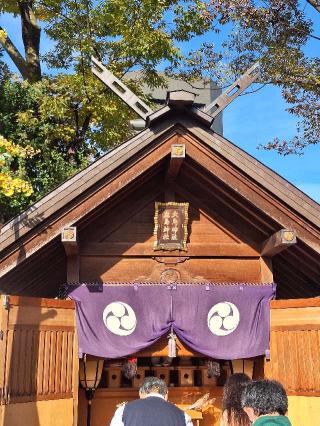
152,409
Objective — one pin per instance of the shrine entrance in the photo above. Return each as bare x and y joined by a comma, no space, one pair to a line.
115,319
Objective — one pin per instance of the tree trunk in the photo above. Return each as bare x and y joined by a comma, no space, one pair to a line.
31,40
29,66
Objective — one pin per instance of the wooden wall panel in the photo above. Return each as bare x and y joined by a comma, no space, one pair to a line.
39,413
304,410
295,346
129,269
40,350
133,221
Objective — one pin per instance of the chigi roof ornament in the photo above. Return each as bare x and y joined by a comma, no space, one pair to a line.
120,89
175,99
243,82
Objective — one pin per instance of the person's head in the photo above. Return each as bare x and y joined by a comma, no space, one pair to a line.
153,385
231,402
264,397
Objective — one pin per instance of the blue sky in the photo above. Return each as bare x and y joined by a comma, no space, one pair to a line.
249,121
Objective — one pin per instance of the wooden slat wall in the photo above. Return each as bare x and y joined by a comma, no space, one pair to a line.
39,350
295,345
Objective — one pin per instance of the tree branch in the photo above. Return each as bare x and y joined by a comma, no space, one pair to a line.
315,4
85,126
81,130
13,52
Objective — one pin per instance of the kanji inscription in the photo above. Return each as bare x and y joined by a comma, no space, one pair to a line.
171,226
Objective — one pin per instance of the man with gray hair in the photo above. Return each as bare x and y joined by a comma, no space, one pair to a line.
152,409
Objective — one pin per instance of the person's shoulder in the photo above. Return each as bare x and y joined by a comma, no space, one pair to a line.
175,408
133,403
272,421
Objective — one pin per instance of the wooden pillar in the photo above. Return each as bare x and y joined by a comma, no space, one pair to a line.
70,244
178,153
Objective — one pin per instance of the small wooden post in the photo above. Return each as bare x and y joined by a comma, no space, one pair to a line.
185,376
178,153
114,377
266,270
163,373
139,377
207,380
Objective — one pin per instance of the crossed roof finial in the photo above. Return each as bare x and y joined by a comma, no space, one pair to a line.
143,110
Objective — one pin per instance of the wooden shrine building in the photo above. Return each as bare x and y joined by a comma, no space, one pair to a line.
245,224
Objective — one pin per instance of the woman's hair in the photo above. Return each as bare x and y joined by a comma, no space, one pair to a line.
231,401
265,397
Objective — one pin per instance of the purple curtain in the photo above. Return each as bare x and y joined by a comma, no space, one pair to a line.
220,321
226,321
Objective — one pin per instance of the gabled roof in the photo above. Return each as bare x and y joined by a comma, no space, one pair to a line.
257,185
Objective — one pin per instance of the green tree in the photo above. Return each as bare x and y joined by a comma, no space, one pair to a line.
121,33
51,117
275,33
71,118
144,33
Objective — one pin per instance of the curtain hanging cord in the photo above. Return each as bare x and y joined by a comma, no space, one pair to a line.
172,345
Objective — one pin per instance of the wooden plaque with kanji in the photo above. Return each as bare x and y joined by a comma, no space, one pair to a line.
171,226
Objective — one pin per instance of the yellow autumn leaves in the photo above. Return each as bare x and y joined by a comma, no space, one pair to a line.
12,180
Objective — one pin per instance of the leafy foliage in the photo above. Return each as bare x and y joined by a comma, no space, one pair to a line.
275,32
13,181
66,123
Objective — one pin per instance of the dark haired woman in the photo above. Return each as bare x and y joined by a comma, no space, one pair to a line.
232,412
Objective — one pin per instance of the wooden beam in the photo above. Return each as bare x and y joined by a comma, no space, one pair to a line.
278,242
178,154
146,250
71,247
160,348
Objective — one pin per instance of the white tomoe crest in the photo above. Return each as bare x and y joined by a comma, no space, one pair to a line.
223,318
119,318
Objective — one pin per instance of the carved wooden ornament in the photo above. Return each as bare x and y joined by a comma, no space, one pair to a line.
171,226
